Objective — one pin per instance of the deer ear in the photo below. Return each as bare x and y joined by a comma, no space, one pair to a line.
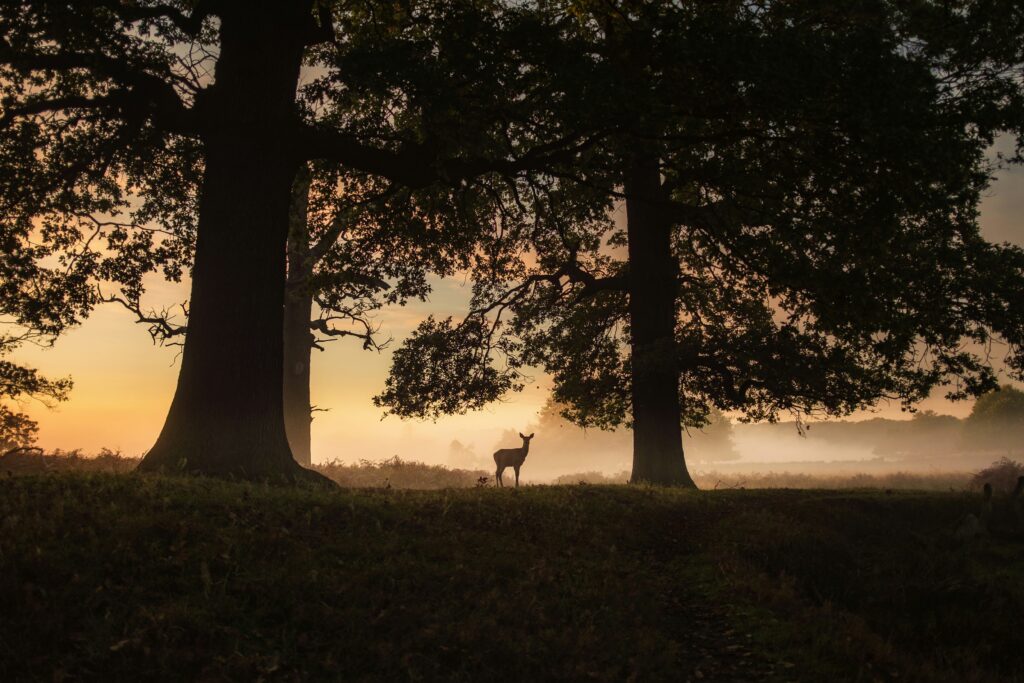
530,436
521,435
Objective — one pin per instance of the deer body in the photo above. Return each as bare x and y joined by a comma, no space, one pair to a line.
511,457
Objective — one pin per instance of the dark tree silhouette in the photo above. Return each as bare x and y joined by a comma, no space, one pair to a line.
997,421
104,102
17,382
350,251
353,247
800,186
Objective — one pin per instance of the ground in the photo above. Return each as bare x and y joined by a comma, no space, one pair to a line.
120,576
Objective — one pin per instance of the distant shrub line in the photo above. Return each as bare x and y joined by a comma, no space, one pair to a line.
408,474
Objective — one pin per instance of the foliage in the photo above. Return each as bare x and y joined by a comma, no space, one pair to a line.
927,435
104,99
1002,475
17,430
997,419
35,461
400,474
1002,407
395,473
583,478
424,368
17,383
822,182
135,134
140,577
894,481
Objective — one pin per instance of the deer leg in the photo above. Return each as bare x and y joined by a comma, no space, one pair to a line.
497,476
517,477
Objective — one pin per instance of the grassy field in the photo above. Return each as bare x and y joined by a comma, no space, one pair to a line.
409,474
118,576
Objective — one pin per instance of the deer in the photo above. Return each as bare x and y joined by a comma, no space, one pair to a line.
511,457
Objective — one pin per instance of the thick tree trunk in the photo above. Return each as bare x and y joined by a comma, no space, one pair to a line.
657,432
226,418
298,340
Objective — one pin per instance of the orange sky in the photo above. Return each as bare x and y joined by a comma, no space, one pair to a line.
123,384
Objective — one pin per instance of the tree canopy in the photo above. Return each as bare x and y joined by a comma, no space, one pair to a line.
800,186
18,383
146,127
997,420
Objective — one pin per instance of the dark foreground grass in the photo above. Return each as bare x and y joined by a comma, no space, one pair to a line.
123,577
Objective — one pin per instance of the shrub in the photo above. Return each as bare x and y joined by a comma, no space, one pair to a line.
35,460
1002,474
400,474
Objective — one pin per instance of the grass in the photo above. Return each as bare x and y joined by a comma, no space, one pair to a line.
712,480
406,474
119,576
400,474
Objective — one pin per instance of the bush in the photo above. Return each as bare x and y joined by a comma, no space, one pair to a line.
592,478
35,461
1002,474
407,474
943,481
400,474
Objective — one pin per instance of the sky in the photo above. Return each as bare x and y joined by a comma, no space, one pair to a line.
124,384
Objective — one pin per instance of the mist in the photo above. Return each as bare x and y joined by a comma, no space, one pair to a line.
924,443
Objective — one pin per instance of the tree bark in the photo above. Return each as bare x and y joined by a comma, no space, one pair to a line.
657,431
226,418
298,340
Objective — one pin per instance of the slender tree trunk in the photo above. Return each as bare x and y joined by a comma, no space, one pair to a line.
657,432
226,417
298,340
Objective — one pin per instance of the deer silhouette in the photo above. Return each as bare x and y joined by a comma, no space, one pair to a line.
511,457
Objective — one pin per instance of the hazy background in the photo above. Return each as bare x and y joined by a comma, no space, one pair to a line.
124,384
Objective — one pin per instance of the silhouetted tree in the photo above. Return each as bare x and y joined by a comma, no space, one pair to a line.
800,185
563,448
349,252
997,420
461,456
107,104
17,383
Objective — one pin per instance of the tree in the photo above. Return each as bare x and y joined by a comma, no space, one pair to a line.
104,102
463,457
348,255
563,448
800,186
997,419
714,442
17,382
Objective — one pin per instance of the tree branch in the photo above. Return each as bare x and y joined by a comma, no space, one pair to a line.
369,342
142,93
161,329
189,24
419,165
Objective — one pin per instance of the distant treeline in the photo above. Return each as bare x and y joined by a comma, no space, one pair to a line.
994,429
926,435
995,425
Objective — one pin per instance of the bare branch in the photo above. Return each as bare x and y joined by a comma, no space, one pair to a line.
370,342
162,329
